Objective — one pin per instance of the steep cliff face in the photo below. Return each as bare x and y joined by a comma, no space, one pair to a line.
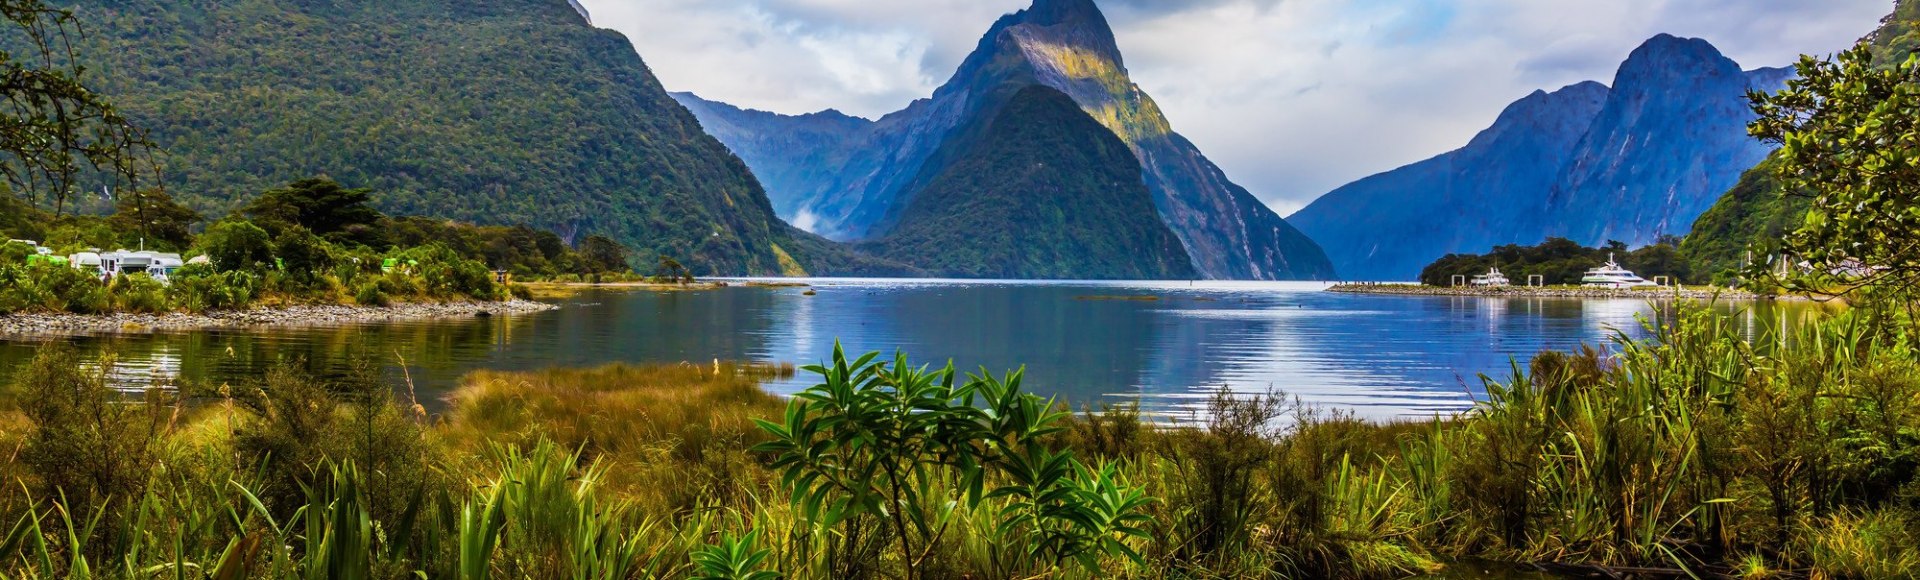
1388,226
1065,45
1040,191
1590,163
1671,139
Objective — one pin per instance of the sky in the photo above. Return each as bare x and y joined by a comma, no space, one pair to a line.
1292,98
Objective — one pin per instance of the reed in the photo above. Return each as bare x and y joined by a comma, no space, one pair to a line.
1701,451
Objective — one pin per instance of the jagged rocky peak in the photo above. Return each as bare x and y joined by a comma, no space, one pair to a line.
1051,12
1059,24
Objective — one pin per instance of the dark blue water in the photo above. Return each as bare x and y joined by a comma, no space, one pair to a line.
1380,356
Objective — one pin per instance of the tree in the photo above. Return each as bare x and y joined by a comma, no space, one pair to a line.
302,254
318,204
53,129
600,254
237,245
671,270
1849,136
21,220
156,217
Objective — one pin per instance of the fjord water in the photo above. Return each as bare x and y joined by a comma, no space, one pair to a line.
1165,344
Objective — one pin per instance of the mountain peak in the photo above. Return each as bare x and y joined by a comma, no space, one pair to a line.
1667,63
1664,49
1054,12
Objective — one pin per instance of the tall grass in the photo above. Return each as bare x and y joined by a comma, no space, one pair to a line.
1700,451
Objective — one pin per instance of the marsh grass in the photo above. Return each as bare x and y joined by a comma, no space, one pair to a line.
673,436
1703,451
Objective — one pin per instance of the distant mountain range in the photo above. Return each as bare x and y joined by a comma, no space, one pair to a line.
1631,163
860,181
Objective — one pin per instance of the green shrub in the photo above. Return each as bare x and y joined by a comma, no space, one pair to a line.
139,293
14,253
444,274
368,293
236,245
19,290
905,447
69,290
199,288
303,256
87,444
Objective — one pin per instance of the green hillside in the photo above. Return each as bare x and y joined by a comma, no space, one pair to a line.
490,111
1043,191
1756,212
1753,215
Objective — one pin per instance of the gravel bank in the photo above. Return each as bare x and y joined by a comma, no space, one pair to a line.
23,324
1549,292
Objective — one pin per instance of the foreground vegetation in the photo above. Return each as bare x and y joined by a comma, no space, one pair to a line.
1703,451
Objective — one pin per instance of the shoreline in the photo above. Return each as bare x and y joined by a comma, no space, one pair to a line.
566,290
1552,292
53,325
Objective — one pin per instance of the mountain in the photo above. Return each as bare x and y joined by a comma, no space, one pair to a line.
1390,225
788,153
1756,212
1671,139
495,112
1044,191
1590,163
857,184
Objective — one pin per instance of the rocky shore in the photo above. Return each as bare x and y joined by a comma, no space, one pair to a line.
64,324
1696,293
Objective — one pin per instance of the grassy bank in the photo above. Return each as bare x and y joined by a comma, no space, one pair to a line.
1703,451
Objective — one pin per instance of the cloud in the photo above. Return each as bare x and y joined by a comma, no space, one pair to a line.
1291,97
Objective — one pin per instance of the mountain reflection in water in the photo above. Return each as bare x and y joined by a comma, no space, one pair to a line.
1165,344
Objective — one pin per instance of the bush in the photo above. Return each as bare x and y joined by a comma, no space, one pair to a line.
303,256
302,422
139,293
444,274
87,445
235,245
199,288
368,293
64,289
14,253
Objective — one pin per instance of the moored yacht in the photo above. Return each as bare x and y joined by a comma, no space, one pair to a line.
1493,277
1613,276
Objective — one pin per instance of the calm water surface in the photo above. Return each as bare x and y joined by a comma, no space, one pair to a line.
1380,356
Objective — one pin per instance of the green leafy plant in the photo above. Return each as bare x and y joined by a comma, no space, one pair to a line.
879,440
733,557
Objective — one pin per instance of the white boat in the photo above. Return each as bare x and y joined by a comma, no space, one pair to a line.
1493,277
1613,276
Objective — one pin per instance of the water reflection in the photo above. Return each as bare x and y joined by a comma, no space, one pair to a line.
1165,344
